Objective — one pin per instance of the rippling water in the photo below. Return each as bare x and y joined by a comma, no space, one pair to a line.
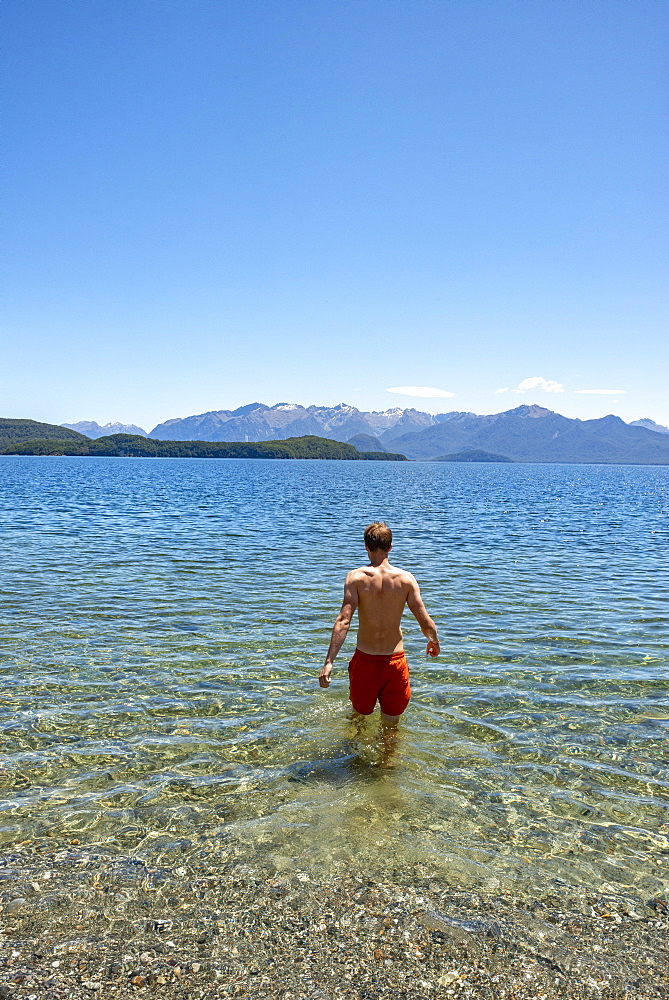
164,621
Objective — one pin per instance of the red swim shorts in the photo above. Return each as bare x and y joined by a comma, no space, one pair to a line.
385,678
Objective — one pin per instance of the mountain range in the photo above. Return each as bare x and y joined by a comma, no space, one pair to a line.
524,434
259,422
92,429
535,434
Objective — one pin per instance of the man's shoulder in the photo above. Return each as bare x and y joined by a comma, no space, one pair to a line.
358,573
366,572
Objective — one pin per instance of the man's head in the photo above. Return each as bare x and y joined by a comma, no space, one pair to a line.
378,536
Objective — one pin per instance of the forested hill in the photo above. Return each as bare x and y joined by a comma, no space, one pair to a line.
134,446
14,431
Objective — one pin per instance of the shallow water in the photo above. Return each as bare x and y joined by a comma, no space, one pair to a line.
164,621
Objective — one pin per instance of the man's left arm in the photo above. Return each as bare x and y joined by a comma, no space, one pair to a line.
419,611
340,629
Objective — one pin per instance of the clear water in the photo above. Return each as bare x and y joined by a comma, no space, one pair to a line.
164,621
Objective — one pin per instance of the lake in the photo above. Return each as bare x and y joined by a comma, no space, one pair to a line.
164,622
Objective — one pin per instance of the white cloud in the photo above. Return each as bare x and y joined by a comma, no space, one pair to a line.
419,390
546,385
602,392
536,382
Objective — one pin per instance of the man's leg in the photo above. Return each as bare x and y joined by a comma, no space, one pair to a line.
388,734
390,721
395,692
358,724
362,689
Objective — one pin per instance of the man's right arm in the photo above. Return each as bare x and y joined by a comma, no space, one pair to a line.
340,629
419,611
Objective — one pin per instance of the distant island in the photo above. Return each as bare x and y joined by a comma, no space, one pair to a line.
473,455
135,446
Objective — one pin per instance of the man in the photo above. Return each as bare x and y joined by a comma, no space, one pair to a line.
379,591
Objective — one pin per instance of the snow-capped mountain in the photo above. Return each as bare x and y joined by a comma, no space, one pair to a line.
650,425
92,429
259,422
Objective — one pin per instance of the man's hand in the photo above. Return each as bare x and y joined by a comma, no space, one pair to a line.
433,647
325,674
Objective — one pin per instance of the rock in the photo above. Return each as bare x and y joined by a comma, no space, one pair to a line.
16,904
277,891
458,930
448,978
160,926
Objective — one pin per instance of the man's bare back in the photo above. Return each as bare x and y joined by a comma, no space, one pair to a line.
382,592
379,593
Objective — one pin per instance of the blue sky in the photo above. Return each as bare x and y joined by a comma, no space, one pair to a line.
208,203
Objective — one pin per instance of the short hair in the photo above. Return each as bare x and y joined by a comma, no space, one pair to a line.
378,536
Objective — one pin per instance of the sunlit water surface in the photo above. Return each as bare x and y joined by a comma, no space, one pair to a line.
163,623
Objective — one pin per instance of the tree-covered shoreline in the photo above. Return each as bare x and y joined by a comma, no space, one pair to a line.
135,446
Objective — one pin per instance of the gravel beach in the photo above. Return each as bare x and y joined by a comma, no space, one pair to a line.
79,922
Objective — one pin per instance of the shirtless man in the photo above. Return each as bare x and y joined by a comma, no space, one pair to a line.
379,591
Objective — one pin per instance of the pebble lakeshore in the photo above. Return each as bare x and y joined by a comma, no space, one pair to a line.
77,922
